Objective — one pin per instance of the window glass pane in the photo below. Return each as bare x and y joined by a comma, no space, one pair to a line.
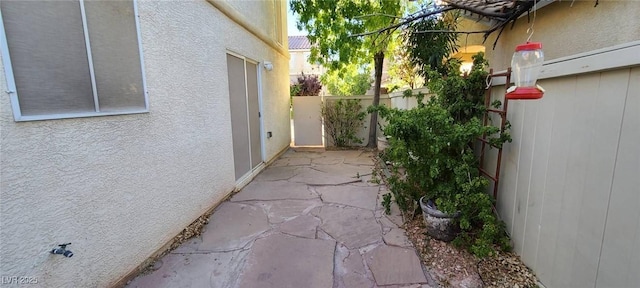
254,112
116,58
48,56
239,124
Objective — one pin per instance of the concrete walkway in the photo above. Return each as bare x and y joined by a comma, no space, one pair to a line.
311,219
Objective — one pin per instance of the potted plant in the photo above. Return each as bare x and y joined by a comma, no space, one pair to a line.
433,143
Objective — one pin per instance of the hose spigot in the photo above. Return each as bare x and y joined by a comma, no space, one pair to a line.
62,250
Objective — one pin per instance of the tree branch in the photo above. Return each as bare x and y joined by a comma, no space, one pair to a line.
378,14
406,21
451,31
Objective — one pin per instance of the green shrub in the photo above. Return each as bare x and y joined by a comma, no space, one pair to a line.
431,147
342,120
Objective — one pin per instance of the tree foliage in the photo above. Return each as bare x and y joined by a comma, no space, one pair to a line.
331,25
352,81
429,50
403,73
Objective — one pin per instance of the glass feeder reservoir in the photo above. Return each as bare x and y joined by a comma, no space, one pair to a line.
526,65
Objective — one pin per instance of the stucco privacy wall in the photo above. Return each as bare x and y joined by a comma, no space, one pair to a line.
120,187
564,27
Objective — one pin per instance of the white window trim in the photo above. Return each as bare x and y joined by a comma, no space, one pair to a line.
11,84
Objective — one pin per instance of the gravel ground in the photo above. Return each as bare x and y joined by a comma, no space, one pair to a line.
453,267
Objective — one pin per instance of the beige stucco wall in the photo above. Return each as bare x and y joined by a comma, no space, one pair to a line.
565,28
120,187
298,62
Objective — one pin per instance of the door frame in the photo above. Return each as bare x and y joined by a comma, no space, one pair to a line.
245,179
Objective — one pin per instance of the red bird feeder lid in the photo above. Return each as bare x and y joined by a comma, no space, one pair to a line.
529,46
525,93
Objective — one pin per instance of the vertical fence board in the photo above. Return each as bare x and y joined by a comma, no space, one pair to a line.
605,121
525,159
510,166
539,167
563,93
583,101
620,255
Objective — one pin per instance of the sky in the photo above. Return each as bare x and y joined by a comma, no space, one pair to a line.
291,23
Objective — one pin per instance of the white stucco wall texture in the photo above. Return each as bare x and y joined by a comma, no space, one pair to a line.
120,187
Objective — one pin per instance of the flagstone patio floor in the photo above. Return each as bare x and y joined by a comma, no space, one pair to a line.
311,219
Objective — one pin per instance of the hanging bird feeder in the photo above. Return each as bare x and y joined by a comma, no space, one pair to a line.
526,64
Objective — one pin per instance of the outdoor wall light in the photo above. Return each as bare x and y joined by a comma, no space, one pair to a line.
526,64
267,65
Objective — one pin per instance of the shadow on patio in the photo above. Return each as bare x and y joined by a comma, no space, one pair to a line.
311,219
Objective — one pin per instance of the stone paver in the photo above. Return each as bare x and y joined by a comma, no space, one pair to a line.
354,227
195,270
351,171
327,160
404,269
305,226
311,219
284,210
356,196
315,177
293,161
274,190
233,227
396,237
280,261
278,173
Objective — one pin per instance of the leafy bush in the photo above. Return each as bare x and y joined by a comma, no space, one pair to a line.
294,90
432,149
308,85
462,96
342,120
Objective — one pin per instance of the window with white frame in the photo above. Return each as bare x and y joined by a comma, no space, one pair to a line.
68,59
